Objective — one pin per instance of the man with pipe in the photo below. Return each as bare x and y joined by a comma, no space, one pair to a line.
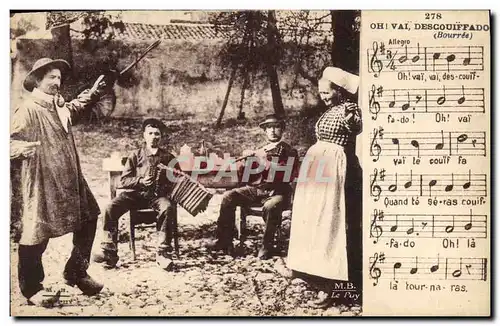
55,198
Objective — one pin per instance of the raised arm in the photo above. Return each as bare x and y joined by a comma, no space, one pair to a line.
353,119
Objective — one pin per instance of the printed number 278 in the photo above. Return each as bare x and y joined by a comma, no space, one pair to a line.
432,15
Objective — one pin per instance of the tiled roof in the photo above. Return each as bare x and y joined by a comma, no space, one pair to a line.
139,32
136,32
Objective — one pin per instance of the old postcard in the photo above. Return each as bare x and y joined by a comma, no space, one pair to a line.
250,163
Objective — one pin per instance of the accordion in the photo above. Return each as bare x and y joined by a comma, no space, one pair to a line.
188,193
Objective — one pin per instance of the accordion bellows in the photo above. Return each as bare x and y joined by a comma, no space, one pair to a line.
189,194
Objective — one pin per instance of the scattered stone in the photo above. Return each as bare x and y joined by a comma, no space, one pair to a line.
262,277
298,281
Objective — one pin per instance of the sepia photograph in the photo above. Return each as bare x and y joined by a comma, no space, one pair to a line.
186,163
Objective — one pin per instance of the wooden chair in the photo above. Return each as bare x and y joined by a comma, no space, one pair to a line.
257,210
139,218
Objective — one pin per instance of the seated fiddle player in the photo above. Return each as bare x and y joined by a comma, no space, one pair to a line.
143,188
273,194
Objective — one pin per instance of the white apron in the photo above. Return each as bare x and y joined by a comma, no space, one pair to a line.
318,231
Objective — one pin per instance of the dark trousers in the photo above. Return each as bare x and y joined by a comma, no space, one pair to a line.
135,200
30,267
245,196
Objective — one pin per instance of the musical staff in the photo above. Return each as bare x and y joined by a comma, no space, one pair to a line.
382,183
427,268
425,143
382,58
425,100
407,226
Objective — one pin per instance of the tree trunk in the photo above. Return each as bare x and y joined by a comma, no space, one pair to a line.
272,63
344,51
226,98
62,44
242,97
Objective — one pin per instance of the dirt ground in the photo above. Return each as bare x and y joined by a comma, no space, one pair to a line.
201,283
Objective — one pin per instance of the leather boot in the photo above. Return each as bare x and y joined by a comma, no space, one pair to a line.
164,260
108,258
45,299
225,246
86,284
108,255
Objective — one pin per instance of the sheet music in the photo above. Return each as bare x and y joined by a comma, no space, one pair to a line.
426,152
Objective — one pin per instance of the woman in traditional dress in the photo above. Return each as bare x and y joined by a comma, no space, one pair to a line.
318,240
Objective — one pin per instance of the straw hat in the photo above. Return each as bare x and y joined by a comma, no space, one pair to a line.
30,80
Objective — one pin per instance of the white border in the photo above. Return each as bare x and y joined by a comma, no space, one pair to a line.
213,4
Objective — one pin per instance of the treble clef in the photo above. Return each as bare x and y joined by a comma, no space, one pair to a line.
375,63
375,229
375,189
375,148
375,272
373,105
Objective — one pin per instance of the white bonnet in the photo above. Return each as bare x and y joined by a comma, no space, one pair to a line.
341,78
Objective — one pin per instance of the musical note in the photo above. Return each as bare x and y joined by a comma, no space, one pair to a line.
416,144
449,187
466,61
442,99
394,184
373,105
426,268
397,265
417,56
393,102
375,230
414,270
412,228
375,272
435,56
441,144
395,141
472,143
400,225
435,268
405,106
467,184
409,183
461,100
375,64
468,226
375,148
432,183
403,58
427,100
461,139
375,189
450,228
458,272
393,187
449,59
457,58
395,226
